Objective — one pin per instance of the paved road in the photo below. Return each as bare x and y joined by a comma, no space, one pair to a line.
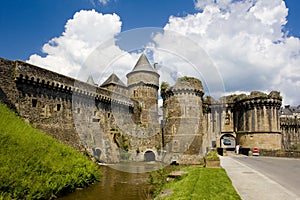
285,171
263,178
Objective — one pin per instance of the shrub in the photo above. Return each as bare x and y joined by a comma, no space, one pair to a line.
212,155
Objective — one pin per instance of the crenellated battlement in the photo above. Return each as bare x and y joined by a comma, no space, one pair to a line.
258,103
183,86
29,74
181,91
258,100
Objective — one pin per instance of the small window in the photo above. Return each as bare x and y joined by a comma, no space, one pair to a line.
78,110
58,107
135,93
108,115
34,103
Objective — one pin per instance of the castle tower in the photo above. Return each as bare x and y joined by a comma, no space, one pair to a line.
183,115
257,120
143,85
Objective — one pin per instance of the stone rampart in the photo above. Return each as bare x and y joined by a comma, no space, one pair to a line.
121,122
53,102
79,114
257,120
183,115
290,127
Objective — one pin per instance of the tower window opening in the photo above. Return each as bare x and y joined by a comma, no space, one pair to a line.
34,103
135,94
58,107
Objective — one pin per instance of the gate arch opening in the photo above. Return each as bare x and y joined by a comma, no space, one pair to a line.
228,141
149,156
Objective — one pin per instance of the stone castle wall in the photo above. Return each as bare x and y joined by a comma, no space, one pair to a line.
249,120
257,120
78,114
121,122
67,109
147,97
218,121
290,127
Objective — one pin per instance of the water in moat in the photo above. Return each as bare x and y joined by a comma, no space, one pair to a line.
119,181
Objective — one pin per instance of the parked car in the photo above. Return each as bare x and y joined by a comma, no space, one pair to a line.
255,151
226,142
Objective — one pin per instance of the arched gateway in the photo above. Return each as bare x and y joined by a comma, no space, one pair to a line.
228,141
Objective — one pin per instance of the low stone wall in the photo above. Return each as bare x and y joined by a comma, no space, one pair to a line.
191,160
279,153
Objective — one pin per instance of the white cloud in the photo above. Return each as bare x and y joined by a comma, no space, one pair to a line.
104,2
246,42
180,56
97,2
241,40
84,33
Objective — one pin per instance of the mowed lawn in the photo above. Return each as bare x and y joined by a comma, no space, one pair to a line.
202,183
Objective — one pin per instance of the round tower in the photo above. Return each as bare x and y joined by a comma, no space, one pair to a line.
257,120
183,115
143,85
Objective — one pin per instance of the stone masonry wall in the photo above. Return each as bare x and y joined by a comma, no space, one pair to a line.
53,103
257,120
290,127
78,114
8,90
183,115
260,140
123,126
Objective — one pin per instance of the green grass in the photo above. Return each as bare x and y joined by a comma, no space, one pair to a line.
202,183
33,165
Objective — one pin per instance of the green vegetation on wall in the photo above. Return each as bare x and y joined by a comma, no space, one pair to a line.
35,166
164,85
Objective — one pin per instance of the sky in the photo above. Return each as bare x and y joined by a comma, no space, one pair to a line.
232,46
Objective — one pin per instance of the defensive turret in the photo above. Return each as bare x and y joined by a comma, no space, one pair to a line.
143,85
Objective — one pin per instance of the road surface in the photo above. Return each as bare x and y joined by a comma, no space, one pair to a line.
284,171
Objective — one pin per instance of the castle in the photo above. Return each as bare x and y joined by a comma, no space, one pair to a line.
117,121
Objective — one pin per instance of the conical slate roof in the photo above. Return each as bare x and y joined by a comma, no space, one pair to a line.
143,64
113,79
91,80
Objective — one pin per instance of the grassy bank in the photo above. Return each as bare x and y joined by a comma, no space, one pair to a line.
200,183
34,165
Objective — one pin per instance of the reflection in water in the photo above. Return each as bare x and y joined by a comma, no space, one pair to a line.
138,167
120,181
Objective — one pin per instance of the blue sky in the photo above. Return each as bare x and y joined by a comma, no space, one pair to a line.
250,44
27,25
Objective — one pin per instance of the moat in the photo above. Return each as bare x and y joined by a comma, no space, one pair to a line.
119,182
